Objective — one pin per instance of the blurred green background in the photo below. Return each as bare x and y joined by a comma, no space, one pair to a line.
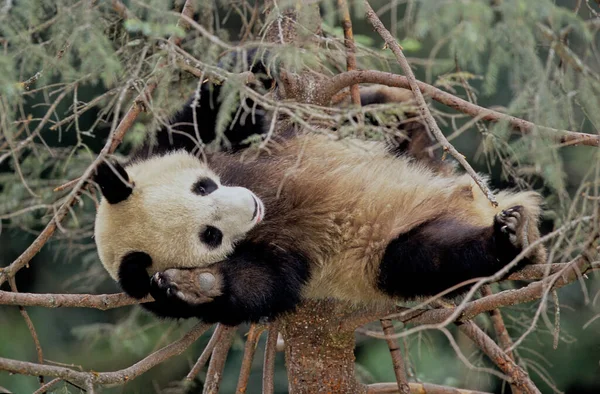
492,45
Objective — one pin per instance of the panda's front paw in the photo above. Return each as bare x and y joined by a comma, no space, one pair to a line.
510,226
193,286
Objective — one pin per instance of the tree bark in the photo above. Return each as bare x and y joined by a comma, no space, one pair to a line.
319,353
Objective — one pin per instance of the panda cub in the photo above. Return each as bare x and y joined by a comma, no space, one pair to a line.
239,238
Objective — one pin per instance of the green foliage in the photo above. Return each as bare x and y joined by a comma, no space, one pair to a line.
83,50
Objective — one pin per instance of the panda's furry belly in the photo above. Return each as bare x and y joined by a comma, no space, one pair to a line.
341,207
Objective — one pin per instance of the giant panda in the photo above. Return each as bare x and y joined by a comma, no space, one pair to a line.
232,237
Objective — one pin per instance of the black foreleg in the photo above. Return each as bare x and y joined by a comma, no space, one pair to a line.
442,253
256,282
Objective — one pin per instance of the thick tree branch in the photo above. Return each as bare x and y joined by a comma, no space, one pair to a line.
96,301
501,332
567,137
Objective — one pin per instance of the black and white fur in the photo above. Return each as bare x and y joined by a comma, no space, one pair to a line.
341,222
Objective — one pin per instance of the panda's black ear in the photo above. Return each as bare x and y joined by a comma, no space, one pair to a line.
110,177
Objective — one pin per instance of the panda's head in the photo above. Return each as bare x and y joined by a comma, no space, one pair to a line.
172,210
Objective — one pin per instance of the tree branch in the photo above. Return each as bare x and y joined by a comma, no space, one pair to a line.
418,388
397,360
567,137
350,48
96,301
518,376
269,361
206,353
422,105
214,375
249,350
103,378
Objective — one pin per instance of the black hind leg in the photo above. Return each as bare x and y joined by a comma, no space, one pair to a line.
445,252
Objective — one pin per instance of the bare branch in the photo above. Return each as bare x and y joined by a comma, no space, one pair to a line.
519,377
96,301
422,105
418,388
269,364
103,378
566,137
350,48
397,359
214,339
217,361
251,343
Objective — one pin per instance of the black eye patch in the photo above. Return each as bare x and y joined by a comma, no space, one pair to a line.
204,186
211,236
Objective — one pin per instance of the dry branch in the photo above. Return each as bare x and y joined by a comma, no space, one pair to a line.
422,105
96,301
567,137
103,378
249,350
269,362
519,378
397,359
418,388
206,353
214,375
350,48
501,332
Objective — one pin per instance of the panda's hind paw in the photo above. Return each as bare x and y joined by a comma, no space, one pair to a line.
192,286
511,224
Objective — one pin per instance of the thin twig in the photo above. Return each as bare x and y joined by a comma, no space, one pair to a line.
214,339
397,359
31,328
350,48
217,361
422,105
43,389
251,343
268,381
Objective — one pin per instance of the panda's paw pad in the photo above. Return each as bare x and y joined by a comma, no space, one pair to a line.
193,286
511,224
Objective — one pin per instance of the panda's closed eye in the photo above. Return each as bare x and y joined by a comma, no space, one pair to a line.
204,186
211,236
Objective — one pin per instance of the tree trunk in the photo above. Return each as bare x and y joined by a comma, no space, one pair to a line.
319,352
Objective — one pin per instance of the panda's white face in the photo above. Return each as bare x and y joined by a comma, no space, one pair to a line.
178,213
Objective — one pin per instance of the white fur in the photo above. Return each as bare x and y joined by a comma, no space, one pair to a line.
164,218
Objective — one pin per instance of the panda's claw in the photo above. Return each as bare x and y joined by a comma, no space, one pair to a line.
511,224
193,286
